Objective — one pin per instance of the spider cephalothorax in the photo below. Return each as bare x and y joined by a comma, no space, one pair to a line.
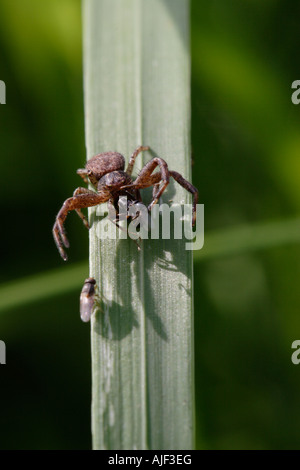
106,173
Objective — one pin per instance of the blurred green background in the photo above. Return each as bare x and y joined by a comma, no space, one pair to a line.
246,153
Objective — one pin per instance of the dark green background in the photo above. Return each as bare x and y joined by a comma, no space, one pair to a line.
246,153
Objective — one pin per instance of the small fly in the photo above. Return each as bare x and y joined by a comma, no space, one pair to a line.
87,299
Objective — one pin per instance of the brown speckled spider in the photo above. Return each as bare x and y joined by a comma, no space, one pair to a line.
106,173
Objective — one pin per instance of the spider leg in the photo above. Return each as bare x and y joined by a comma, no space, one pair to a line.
157,177
155,190
81,215
146,179
154,181
83,173
190,188
133,157
114,221
79,201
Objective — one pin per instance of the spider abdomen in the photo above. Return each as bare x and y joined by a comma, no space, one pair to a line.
104,163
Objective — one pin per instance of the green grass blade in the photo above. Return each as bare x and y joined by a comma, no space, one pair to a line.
42,286
222,242
137,91
245,238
